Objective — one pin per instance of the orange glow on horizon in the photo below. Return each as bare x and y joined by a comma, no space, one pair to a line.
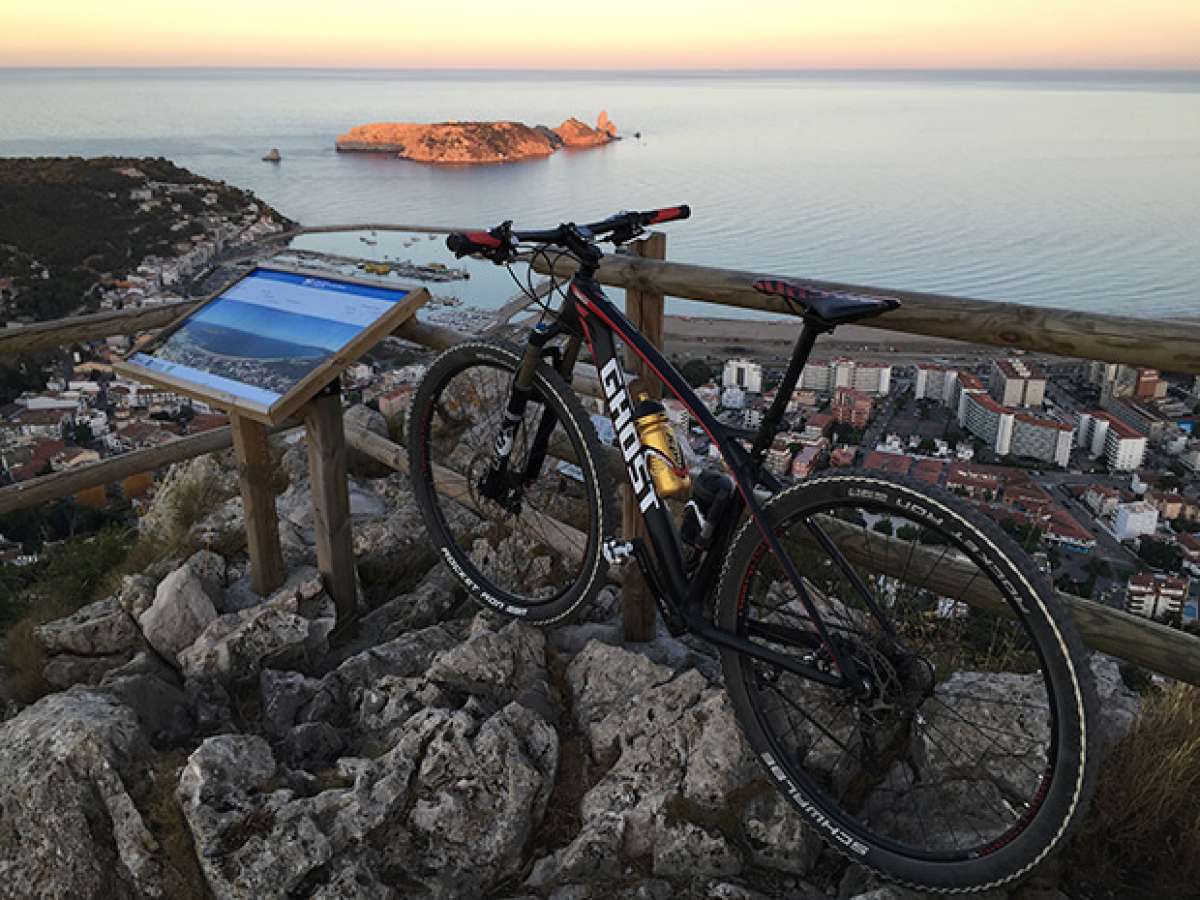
619,34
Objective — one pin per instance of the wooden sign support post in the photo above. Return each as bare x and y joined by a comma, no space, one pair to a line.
645,311
262,525
331,504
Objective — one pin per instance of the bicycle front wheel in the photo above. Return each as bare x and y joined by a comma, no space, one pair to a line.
960,759
534,552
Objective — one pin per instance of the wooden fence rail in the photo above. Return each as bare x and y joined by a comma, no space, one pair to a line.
1169,345
1164,344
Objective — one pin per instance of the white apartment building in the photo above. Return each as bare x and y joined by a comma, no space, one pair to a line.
1014,382
1042,438
742,373
676,412
869,378
987,420
1122,448
1134,520
1155,596
935,383
733,398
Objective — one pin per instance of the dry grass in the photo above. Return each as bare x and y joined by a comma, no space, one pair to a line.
187,502
153,793
1142,835
81,571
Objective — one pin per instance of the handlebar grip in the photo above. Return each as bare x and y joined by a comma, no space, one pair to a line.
667,214
464,243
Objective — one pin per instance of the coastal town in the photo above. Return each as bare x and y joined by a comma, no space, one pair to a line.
1093,467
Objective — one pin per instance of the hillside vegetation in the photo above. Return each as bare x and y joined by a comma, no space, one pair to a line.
68,222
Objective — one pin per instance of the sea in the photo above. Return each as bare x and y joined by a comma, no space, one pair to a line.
1075,190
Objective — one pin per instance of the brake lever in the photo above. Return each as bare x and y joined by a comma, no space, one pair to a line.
625,234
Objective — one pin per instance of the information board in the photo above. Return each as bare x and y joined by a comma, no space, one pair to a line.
273,339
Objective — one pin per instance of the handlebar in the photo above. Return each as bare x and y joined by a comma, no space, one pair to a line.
499,244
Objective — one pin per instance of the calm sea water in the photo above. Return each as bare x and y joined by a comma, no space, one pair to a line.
1075,191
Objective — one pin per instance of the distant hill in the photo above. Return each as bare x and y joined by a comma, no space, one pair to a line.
69,222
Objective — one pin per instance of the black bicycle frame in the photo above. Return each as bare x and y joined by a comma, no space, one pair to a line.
588,311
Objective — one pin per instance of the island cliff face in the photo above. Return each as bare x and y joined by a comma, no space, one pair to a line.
475,143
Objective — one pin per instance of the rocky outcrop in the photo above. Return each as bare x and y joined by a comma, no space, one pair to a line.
680,783
576,135
68,825
446,753
475,143
444,775
84,647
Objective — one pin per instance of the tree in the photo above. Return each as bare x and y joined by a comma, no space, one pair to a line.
927,445
884,526
1159,555
696,372
81,434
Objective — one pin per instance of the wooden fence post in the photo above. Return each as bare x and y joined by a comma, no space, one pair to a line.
645,311
262,524
331,504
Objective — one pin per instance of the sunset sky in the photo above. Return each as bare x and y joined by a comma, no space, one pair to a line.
612,34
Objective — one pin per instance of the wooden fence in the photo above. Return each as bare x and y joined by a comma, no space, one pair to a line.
647,277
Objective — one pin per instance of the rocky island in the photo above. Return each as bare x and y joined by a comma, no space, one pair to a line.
475,143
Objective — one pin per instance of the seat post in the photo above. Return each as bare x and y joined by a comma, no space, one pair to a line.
809,332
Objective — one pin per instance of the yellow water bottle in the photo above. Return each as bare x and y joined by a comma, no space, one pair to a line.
664,457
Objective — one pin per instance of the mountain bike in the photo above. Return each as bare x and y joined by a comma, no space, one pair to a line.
899,666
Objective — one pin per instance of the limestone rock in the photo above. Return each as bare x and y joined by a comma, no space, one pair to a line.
688,850
500,665
182,609
1118,706
235,647
136,594
438,597
98,629
68,825
604,681
675,763
575,134
431,773
154,692
777,836
66,669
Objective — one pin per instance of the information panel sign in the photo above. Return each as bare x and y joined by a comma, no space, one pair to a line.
266,344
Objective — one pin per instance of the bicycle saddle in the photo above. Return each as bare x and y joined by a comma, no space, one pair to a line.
829,307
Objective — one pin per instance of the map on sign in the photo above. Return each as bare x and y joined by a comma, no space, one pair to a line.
270,333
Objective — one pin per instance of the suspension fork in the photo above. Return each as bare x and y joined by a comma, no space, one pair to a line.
549,419
493,484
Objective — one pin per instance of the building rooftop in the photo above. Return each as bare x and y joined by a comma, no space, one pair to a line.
896,463
1043,422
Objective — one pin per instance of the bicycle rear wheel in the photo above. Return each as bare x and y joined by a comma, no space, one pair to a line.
536,553
963,761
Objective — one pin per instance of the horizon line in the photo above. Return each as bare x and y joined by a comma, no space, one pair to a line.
1116,69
